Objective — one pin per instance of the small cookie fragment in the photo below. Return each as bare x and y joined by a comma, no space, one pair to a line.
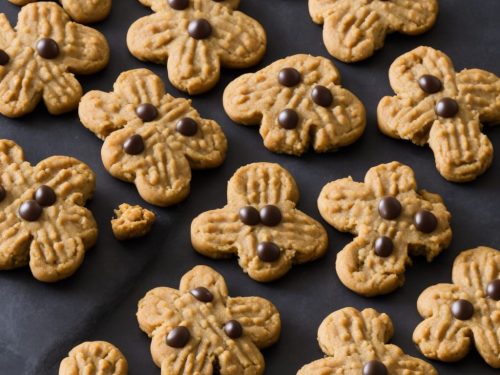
132,222
354,29
356,342
260,224
194,38
437,106
465,312
298,102
199,329
391,219
94,358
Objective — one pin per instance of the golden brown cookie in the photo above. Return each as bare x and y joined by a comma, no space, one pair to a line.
94,358
435,105
391,219
39,58
199,329
354,29
356,343
299,102
464,313
151,139
193,38
260,224
42,219
83,11
132,222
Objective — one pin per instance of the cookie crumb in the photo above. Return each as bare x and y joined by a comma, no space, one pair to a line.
132,222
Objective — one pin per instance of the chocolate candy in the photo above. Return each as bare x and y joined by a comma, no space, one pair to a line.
30,210
3,193
493,290
133,145
4,58
45,196
178,337
425,221
322,96
268,251
270,215
389,208
374,368
288,119
289,77
199,29
447,107
178,4
383,246
233,329
462,309
202,294
187,127
430,84
249,215
146,112
47,48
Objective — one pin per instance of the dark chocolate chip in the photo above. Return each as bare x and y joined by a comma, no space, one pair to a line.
374,368
47,48
199,28
447,107
178,337
430,84
389,208
4,58
289,77
268,251
30,210
134,145
462,309
45,196
270,215
425,221
146,112
322,96
233,329
202,294
3,193
178,4
493,290
249,215
288,119
383,246
187,126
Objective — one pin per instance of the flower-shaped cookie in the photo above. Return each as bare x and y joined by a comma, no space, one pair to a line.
390,219
260,224
94,358
356,343
199,329
42,218
298,101
194,38
83,11
151,138
445,109
39,57
465,312
354,29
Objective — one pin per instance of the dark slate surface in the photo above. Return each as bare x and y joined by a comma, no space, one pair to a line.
40,323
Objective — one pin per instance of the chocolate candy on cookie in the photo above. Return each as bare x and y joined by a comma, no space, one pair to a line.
356,342
354,29
193,38
391,220
260,224
298,102
43,222
132,222
465,312
199,329
38,59
151,139
437,106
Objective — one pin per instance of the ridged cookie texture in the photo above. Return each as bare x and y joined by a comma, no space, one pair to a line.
94,358
199,329
298,102
132,222
260,224
437,106
354,29
356,342
42,219
194,38
151,139
391,219
40,57
83,11
464,313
